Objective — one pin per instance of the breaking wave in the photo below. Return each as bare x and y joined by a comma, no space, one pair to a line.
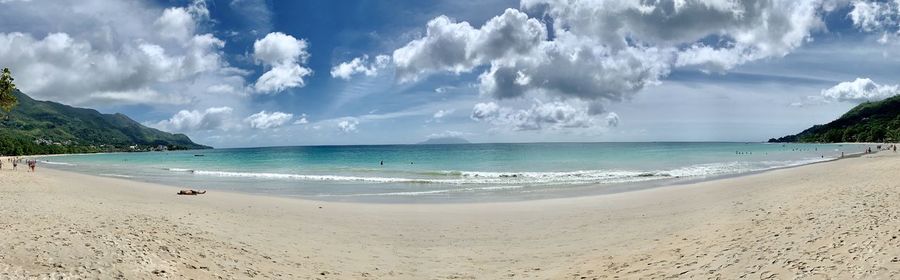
455,177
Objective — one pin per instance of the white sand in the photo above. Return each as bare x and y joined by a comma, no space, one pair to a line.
837,220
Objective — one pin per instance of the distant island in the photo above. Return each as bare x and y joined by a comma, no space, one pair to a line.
444,141
867,122
44,127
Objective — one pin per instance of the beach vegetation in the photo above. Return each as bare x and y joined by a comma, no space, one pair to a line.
877,121
43,127
8,98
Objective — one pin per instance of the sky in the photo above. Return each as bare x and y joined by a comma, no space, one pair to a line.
244,73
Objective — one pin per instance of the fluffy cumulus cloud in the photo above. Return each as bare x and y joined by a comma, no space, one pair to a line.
485,111
457,47
541,115
877,16
860,90
99,52
360,65
180,22
713,35
605,51
347,125
195,120
284,55
265,120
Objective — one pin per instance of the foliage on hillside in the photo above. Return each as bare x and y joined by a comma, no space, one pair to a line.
43,127
868,122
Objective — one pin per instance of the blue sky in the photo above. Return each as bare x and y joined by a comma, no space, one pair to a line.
237,73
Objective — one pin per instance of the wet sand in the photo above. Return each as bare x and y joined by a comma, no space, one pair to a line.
836,220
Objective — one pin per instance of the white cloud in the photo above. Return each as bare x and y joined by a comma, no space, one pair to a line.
549,115
458,47
860,90
748,29
448,134
99,52
612,119
877,16
72,70
301,120
180,22
138,96
281,77
265,120
605,51
279,48
575,68
442,113
175,23
348,125
285,55
221,88
194,120
874,16
485,111
360,65
444,89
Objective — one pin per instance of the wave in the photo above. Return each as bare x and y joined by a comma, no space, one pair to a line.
467,178
456,177
431,192
115,175
550,174
180,169
299,176
56,163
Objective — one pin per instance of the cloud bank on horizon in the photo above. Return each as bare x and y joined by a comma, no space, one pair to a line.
536,68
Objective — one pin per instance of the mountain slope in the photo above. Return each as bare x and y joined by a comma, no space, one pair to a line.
868,122
78,130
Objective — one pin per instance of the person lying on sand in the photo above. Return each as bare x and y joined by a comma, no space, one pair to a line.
190,192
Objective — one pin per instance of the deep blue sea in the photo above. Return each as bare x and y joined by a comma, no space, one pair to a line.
447,173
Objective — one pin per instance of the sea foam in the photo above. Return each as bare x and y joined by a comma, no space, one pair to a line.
455,177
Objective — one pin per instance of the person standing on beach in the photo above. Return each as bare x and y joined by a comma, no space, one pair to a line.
15,164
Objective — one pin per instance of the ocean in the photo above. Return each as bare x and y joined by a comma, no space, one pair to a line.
449,173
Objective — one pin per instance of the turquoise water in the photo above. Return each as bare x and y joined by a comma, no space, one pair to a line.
414,173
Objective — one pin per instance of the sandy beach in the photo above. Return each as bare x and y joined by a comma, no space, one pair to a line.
835,220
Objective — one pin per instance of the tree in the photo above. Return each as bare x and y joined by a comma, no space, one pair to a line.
7,91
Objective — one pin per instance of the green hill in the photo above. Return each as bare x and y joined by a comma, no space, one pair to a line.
868,122
44,127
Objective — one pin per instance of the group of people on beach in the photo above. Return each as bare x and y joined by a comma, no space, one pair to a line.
883,147
32,163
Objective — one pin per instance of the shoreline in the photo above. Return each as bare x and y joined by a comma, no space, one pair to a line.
586,190
834,218
662,184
